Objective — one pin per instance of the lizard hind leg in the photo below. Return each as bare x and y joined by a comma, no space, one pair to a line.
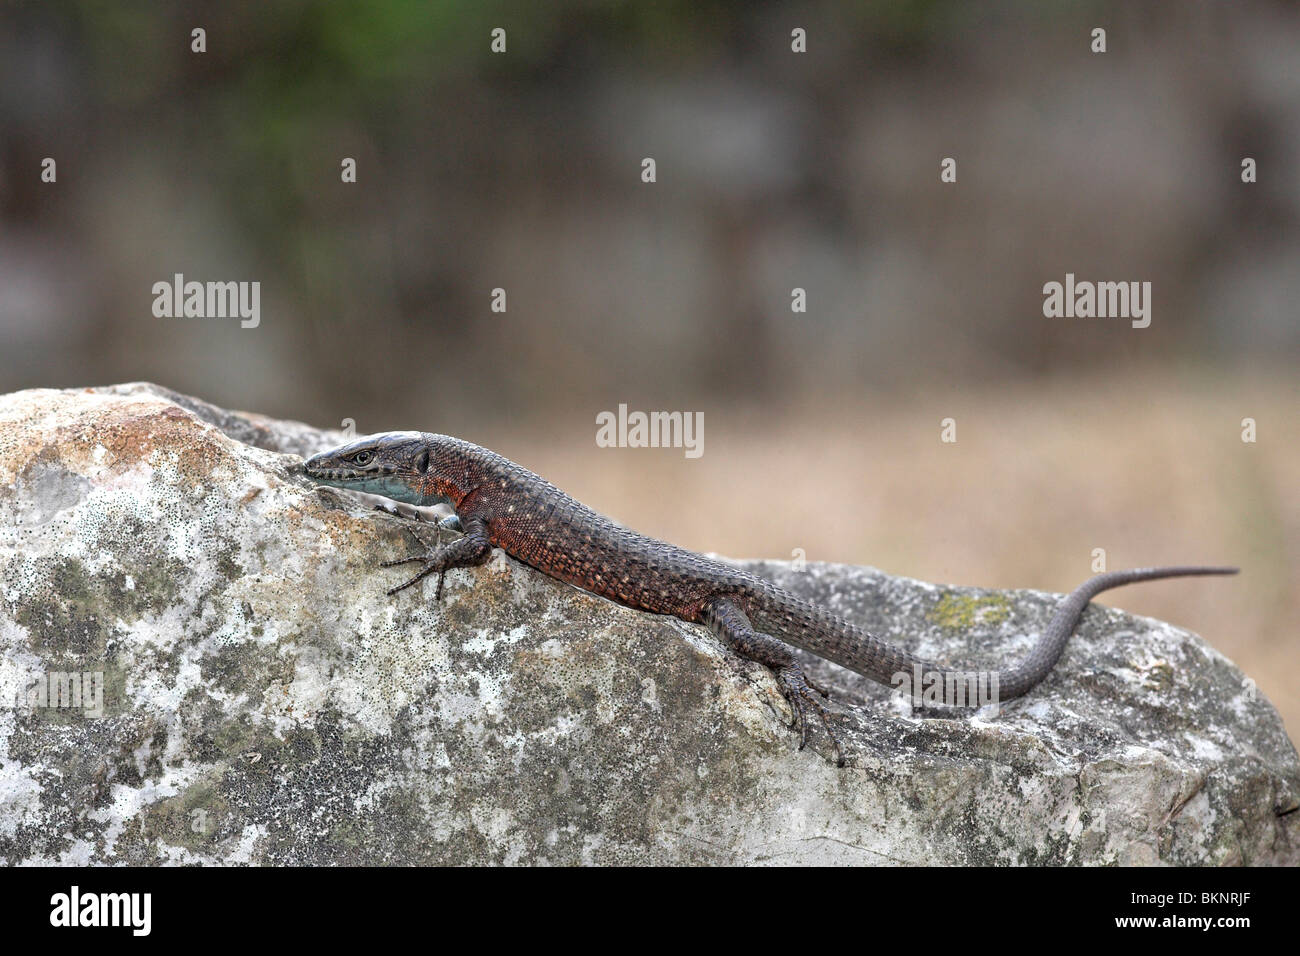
724,617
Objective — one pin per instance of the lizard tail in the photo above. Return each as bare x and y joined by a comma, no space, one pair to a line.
1028,672
815,629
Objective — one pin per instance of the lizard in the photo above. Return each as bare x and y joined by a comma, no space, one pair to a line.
497,503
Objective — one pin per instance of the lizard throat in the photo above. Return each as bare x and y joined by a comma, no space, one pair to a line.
387,486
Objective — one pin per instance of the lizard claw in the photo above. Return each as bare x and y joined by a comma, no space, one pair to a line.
429,559
798,691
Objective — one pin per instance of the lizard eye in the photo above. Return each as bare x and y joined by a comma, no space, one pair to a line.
363,457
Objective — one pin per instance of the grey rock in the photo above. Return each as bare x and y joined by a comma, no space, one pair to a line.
264,702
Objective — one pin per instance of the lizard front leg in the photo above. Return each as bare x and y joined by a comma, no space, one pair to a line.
469,551
724,617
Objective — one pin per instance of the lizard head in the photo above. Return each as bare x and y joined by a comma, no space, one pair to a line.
394,464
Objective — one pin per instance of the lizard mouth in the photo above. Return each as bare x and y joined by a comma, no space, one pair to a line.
321,468
373,478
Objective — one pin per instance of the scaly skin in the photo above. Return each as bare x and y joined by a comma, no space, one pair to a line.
504,505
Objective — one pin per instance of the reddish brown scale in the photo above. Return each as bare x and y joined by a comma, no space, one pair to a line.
532,520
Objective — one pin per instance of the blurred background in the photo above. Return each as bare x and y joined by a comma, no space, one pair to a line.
775,170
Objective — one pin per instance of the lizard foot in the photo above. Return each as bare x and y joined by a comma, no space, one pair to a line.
431,558
799,691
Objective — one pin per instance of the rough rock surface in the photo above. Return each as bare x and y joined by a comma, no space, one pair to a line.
264,702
